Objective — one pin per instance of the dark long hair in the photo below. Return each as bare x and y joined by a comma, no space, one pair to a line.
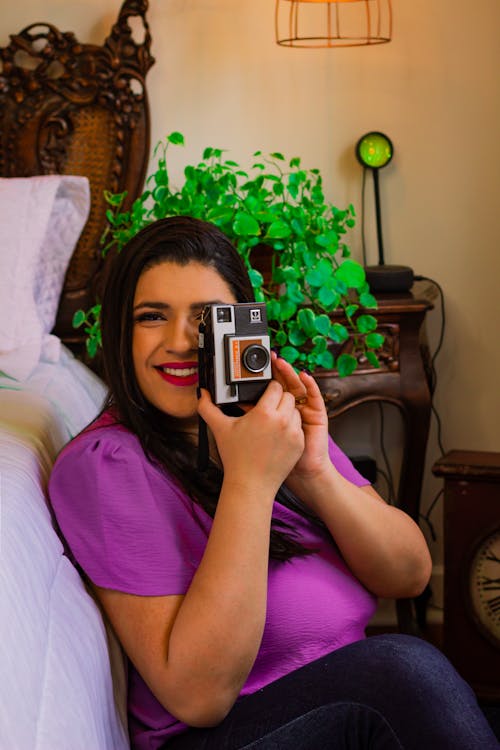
181,240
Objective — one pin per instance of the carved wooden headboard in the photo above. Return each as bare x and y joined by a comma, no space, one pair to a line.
81,109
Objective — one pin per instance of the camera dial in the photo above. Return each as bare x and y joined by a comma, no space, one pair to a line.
255,358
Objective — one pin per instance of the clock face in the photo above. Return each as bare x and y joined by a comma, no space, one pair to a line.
485,586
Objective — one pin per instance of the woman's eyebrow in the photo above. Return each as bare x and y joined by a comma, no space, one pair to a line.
156,305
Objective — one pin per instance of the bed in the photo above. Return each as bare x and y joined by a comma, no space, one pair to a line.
74,121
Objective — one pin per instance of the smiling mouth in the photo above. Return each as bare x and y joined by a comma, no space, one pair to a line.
179,373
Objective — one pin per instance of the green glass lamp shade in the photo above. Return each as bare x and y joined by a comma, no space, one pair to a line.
374,150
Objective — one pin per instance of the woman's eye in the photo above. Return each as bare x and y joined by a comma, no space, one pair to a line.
149,317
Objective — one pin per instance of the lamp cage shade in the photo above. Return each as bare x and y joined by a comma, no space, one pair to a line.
333,23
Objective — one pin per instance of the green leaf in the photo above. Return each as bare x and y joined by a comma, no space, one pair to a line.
160,193
294,293
176,138
325,359
298,226
256,278
79,318
339,286
320,274
290,274
327,239
278,230
114,199
245,225
346,364
368,300
91,345
351,273
277,155
322,324
372,358
220,215
290,353
296,336
281,338
328,298
350,310
306,319
273,309
320,344
314,277
339,333
287,308
375,340
366,323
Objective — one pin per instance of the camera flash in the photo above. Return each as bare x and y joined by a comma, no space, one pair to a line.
223,315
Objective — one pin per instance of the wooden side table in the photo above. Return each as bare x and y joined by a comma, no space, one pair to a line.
402,380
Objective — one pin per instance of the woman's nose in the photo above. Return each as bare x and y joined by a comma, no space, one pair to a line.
182,337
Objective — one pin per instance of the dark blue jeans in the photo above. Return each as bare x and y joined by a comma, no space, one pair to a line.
384,693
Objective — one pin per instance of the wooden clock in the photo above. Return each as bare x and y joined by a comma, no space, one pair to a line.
471,628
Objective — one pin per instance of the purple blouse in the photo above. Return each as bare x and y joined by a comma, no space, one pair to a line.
131,528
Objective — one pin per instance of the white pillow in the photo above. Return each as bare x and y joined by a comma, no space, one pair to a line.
41,219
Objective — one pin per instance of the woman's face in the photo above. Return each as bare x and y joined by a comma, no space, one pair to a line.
168,302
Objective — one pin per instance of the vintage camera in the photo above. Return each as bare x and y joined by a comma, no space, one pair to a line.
234,356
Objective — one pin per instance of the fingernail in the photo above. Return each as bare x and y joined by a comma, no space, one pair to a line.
275,350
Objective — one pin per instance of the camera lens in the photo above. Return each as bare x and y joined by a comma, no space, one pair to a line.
255,358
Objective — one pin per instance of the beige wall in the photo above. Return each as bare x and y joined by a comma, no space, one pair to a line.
435,90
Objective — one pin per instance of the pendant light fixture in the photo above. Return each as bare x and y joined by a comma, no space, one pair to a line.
333,23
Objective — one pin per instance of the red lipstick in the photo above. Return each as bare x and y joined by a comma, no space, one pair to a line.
179,373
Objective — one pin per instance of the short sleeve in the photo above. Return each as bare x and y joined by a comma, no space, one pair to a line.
128,526
344,466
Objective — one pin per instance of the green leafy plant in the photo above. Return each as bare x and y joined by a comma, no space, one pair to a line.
279,206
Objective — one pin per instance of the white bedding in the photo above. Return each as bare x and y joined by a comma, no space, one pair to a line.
57,688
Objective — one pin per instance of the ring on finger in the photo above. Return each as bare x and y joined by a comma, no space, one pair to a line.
300,401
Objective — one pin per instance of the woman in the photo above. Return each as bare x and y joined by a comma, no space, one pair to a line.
240,594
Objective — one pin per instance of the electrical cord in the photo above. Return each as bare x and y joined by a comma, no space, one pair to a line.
433,384
390,478
427,516
385,476
441,334
363,236
439,429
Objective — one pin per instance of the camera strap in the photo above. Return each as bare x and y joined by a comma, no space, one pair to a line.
203,450
202,445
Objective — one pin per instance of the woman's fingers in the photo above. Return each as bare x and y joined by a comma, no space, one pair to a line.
267,441
213,416
313,393
290,381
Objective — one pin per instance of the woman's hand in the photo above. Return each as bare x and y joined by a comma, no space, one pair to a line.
382,546
264,444
311,407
